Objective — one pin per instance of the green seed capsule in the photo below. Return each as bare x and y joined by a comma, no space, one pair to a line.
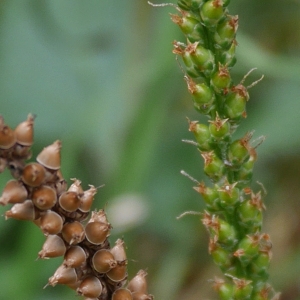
228,57
219,128
229,195
259,266
221,79
226,32
221,256
242,289
212,12
225,290
210,196
189,4
202,57
213,166
202,135
235,103
186,23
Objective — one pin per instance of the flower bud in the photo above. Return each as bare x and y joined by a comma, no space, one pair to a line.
33,174
138,283
21,211
44,197
69,201
103,260
210,196
24,132
13,192
74,257
202,135
213,165
90,287
49,157
97,232
63,275
54,246
219,128
51,222
122,294
7,135
221,79
73,233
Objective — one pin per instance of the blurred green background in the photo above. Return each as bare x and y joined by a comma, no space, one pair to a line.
101,77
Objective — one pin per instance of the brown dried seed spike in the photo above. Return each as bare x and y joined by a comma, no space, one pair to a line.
138,283
51,222
13,192
118,251
24,131
122,294
87,198
74,257
69,201
90,287
21,211
73,233
97,232
103,261
7,135
49,157
33,174
54,246
63,275
44,197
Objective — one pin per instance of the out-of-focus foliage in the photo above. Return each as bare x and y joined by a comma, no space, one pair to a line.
101,77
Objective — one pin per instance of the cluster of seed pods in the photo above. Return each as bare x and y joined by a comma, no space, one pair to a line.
40,194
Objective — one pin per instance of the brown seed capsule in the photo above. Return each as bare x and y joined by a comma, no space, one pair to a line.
73,233
74,257
103,261
13,192
24,132
44,197
90,287
118,251
69,201
138,283
51,222
7,135
118,273
141,296
54,246
122,294
76,187
99,216
33,174
49,157
87,198
22,211
97,232
63,275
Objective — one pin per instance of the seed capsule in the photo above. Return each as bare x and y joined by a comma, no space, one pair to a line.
118,251
21,211
69,201
97,232
90,287
138,283
51,222
24,132
103,261
76,187
86,200
7,135
118,273
141,296
73,233
54,246
13,192
74,257
44,197
49,157
33,174
122,294
63,275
